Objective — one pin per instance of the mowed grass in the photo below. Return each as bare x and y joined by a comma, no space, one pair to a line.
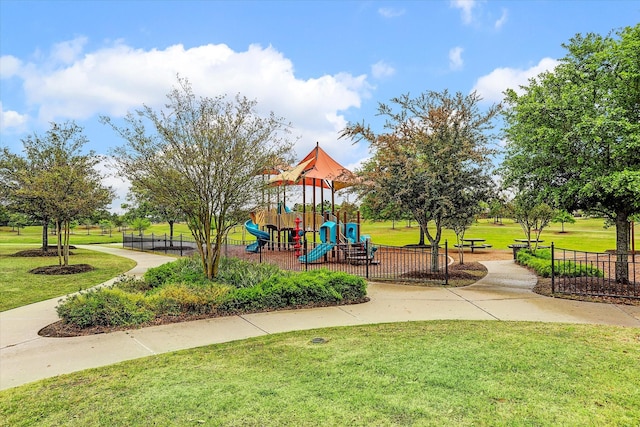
454,373
587,234
18,287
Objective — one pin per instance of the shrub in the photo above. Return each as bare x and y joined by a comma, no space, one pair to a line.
540,261
180,288
245,274
320,287
131,284
105,307
175,299
183,270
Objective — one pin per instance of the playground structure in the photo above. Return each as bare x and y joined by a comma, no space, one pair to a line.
340,239
284,229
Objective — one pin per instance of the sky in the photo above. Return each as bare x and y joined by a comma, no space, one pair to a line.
318,64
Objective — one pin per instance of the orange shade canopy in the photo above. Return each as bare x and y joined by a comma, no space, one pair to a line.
317,169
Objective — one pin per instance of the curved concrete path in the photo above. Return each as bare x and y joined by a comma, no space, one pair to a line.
504,294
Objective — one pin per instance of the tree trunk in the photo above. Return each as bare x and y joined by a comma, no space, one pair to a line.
67,232
421,242
622,247
59,232
45,235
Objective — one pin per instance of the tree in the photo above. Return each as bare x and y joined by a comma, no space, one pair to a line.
562,216
532,216
140,224
203,156
106,225
144,202
18,221
54,181
574,133
460,219
434,149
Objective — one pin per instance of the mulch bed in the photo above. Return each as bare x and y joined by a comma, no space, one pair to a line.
35,253
60,329
57,270
543,287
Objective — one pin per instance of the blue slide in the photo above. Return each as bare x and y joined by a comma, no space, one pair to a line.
328,239
262,236
316,253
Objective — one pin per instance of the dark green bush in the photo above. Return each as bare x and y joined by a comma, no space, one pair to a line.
320,287
540,261
105,307
183,270
245,274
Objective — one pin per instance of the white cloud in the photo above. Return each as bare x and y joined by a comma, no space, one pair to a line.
455,58
389,12
9,66
466,9
73,84
119,184
503,18
12,120
68,51
492,86
381,69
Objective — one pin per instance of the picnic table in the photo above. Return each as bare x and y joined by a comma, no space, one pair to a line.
523,244
473,244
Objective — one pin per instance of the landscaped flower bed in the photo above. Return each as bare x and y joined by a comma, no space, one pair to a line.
180,290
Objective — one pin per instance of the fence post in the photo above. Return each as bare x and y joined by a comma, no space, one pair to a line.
165,243
181,246
446,262
366,251
553,268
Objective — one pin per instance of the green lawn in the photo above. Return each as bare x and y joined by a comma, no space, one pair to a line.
586,234
18,287
457,373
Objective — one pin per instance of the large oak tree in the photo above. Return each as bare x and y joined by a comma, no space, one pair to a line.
574,132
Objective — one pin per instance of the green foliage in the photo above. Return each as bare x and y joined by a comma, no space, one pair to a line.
183,270
200,156
245,274
540,261
105,307
176,299
181,288
319,287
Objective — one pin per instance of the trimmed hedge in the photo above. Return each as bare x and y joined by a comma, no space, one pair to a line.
540,261
180,288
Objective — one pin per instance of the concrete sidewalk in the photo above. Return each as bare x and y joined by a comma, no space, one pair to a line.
504,294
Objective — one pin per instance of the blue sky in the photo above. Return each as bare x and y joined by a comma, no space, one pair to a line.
318,64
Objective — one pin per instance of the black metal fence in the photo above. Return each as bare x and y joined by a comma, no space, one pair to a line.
373,262
594,273
176,245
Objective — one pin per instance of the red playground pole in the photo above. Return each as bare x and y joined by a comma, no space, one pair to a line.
296,236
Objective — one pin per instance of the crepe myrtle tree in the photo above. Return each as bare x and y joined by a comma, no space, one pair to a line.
432,147
54,181
573,133
203,156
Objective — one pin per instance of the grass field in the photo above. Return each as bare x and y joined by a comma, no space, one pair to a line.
454,373
587,234
18,287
